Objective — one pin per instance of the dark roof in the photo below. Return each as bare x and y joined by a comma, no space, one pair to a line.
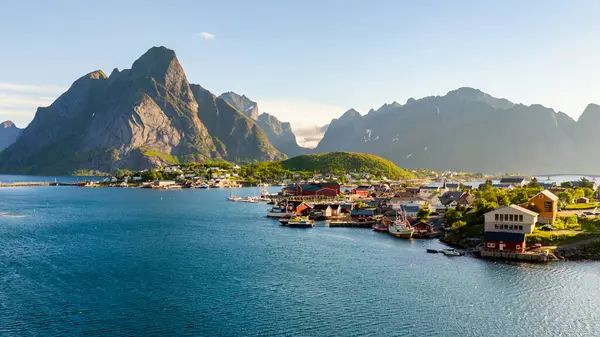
320,206
452,185
449,197
363,212
346,206
512,180
334,206
504,236
411,208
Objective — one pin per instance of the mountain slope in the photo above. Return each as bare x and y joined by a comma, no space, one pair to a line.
466,130
278,133
136,118
9,133
242,103
346,162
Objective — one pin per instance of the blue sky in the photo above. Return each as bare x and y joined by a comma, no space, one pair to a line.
309,61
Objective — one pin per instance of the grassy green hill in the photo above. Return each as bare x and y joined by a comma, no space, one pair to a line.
346,162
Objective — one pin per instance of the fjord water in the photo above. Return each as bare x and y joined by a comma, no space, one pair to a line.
78,261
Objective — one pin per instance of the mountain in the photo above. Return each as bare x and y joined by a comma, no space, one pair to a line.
278,133
9,133
346,162
467,129
141,117
242,103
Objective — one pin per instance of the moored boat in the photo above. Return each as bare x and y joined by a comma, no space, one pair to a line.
300,222
278,211
435,251
204,186
380,226
451,252
400,227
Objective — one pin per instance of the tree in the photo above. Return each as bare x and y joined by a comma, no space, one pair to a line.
585,183
504,201
458,224
534,183
423,214
483,207
566,184
486,186
452,216
589,193
578,193
565,198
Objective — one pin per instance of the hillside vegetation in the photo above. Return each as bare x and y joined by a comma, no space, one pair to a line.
342,162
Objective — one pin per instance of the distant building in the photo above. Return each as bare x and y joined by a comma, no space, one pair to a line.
453,187
546,204
506,227
506,187
315,189
514,181
363,191
582,200
578,183
411,210
453,199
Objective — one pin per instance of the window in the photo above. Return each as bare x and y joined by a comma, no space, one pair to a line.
548,206
496,216
505,217
518,246
491,245
511,227
496,226
521,227
505,226
541,196
520,217
510,217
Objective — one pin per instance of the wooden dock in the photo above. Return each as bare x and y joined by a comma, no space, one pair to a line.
529,257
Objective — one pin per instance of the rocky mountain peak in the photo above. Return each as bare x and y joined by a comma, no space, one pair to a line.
242,103
590,114
7,125
350,113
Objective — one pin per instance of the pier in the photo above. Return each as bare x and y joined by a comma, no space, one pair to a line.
531,257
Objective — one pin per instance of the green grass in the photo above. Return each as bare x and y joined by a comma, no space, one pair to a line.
346,162
166,157
590,205
557,239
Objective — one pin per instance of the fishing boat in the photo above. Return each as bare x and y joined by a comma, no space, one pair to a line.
278,211
301,222
204,186
451,252
381,226
400,227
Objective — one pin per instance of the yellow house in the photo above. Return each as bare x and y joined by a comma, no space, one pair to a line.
546,204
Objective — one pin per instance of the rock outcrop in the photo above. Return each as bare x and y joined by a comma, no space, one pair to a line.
9,133
470,130
136,118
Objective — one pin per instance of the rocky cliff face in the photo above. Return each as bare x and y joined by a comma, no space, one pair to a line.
281,136
9,133
469,130
242,103
137,118
278,133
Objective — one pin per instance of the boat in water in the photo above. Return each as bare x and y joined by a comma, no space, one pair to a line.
279,211
451,252
204,186
300,222
400,227
380,226
434,251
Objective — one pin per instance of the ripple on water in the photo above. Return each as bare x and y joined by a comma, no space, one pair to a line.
125,262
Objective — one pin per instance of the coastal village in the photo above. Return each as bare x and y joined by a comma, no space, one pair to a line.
511,217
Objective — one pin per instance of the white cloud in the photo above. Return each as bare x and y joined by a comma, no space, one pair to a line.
23,101
206,35
29,88
306,117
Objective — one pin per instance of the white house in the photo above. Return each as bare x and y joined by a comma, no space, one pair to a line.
172,169
512,218
425,191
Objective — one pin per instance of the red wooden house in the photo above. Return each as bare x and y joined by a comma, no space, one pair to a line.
363,191
504,241
321,189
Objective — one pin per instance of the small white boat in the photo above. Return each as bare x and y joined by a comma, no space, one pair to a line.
204,186
451,252
279,212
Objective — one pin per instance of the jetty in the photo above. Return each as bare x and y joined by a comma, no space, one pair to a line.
531,257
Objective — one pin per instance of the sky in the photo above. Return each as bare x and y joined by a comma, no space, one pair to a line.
308,61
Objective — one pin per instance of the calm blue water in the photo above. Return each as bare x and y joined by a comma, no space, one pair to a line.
6,178
78,261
